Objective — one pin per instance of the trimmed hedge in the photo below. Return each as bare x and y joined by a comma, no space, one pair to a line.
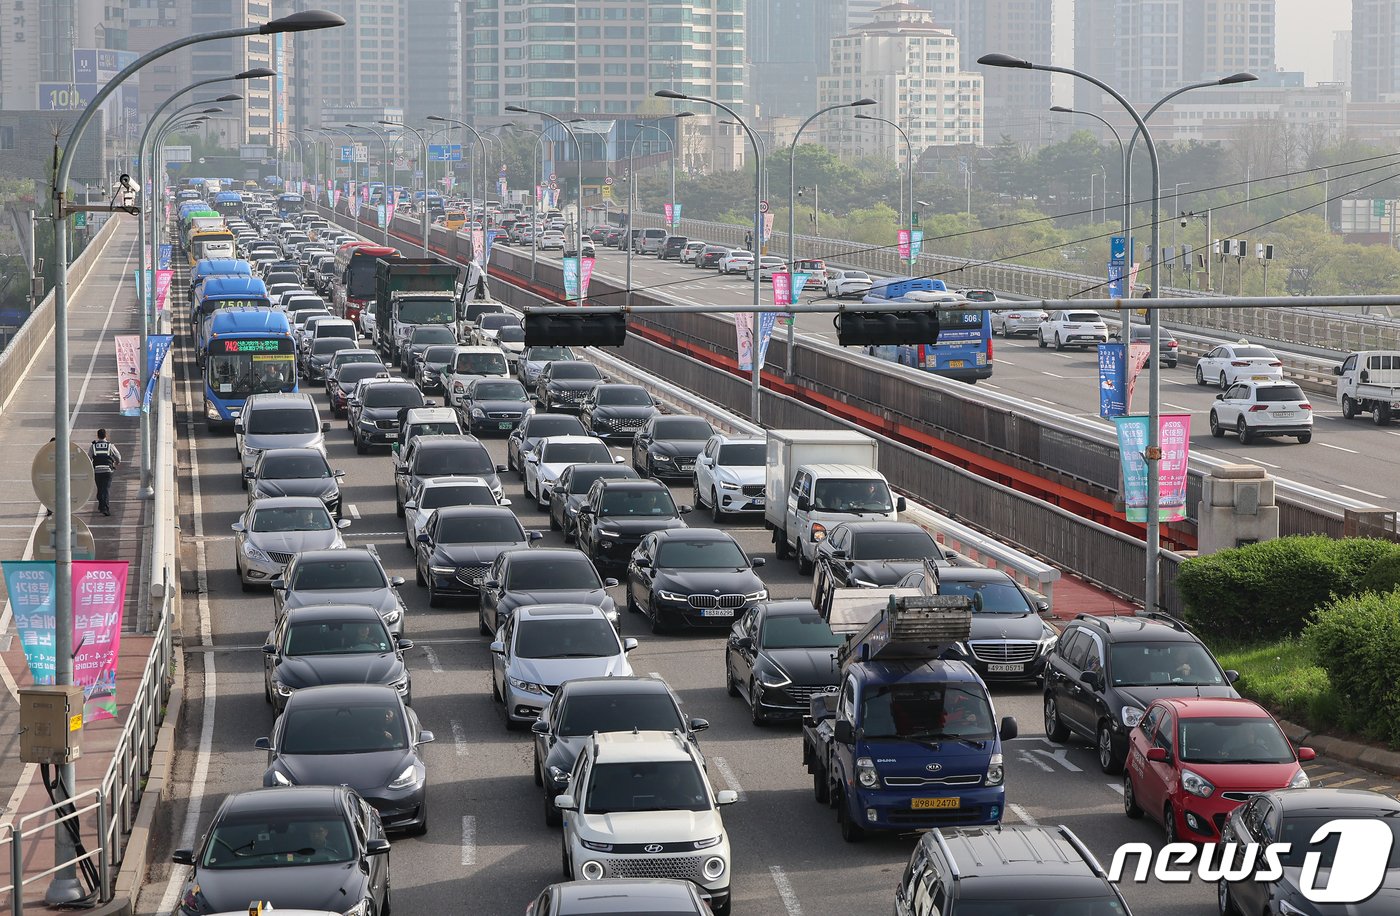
1384,576
1267,591
1356,640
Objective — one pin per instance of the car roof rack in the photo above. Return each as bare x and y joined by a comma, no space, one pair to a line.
947,853
1083,850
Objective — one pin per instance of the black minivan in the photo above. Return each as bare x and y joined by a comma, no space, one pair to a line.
672,247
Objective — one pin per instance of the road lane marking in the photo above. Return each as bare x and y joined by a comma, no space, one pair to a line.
1346,782
1321,776
987,384
1339,448
1044,401
432,659
1052,374
354,512
1116,786
785,892
655,675
1024,815
1345,486
1178,407
468,840
459,739
1028,757
730,779
1060,756
1253,460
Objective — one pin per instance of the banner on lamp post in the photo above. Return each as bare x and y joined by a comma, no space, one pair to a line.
490,243
799,283
571,278
1174,435
163,281
916,243
157,346
670,212
129,373
585,274
165,249
743,328
676,213
335,199
1113,381
902,240
767,227
782,288
479,246
1138,354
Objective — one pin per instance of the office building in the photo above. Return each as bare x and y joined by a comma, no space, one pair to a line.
789,50
910,65
250,121
432,63
360,65
1375,57
860,12
1341,57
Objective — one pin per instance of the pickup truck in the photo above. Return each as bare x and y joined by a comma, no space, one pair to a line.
410,292
909,741
1369,380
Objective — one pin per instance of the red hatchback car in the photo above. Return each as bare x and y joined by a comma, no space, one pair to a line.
1192,760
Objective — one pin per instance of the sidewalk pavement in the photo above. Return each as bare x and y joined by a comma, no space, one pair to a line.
104,305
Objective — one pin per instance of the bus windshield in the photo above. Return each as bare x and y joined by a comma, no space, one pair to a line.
237,375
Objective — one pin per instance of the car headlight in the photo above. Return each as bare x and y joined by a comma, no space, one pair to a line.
760,595
1196,784
478,413
363,908
775,678
1300,780
256,555
401,684
818,532
211,412
282,689
672,596
591,870
1131,716
866,774
596,846
393,615
664,459
526,686
408,779
714,867
458,387
706,844
996,772
442,570
608,534
726,485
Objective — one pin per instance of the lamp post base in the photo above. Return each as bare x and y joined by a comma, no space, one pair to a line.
64,890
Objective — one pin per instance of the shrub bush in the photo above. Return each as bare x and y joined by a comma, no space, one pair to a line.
1384,576
1356,640
1266,591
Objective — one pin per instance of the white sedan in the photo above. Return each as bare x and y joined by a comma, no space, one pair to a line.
551,239
1257,409
767,266
841,283
553,454
1015,322
1230,363
434,493
1072,328
736,262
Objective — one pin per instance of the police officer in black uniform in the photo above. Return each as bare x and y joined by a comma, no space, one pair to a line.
105,461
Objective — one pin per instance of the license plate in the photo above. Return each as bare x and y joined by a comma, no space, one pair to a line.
1259,378
924,804
1283,413
955,364
391,435
717,612
1004,667
687,467
505,425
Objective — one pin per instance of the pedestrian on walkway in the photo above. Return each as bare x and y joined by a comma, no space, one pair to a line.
105,461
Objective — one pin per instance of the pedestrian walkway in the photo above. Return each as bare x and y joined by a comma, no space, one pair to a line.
103,305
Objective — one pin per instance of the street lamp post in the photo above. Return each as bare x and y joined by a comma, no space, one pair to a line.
65,887
423,147
482,144
578,147
792,208
756,387
909,156
632,183
534,188
383,164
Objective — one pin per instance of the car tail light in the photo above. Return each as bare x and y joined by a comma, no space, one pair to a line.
1238,362
989,348
1016,315
1305,406
1171,343
1258,407
1276,365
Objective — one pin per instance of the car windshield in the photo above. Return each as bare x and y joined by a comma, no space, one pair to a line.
892,545
1056,906
480,364
344,331
1298,830
351,356
1091,317
980,295
573,371
456,461
344,730
582,479
511,333
280,421
794,631
563,571
348,375
438,355
548,354
989,597
433,334
927,712
575,452
841,494
1223,739
1253,353
338,574
1160,664
682,428
496,320
425,311
743,454
500,391
624,397
587,713
456,495
1275,393
336,637
393,396
650,785
301,466
541,426
278,840
655,503
717,554
590,637
279,519
449,428
327,345
495,529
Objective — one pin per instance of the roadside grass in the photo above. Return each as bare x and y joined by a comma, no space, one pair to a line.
1283,678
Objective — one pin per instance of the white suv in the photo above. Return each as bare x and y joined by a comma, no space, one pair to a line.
644,808
1072,328
1258,409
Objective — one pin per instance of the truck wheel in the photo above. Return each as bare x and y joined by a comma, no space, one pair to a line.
804,565
820,789
1348,407
780,545
1381,414
851,832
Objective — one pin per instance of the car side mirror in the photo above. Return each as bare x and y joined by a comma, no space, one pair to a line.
182,857
1157,754
629,644
1365,375
426,737
269,649
430,403
500,469
1231,675
838,554
642,563
1042,606
699,725
901,504
744,643
609,583
326,427
1008,729
377,847
498,648
278,584
1091,678
617,459
804,504
338,475
565,803
505,501
423,538
263,744
410,504
248,474
403,644
1336,370
491,583
1220,396
685,510
237,526
540,727
585,510
1306,753
343,523
396,581
238,429
726,797
845,732
756,562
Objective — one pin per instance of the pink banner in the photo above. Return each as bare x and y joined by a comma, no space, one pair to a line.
129,373
99,595
1132,278
163,280
782,288
335,198
903,238
1138,354
479,246
743,327
669,210
585,273
389,212
364,192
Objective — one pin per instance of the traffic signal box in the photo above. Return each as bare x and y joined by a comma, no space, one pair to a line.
604,329
862,329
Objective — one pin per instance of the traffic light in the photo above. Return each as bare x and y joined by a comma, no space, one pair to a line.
599,329
860,329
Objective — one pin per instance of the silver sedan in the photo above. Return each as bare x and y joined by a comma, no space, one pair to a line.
276,528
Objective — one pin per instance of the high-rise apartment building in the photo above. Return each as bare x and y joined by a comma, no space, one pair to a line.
789,50
1375,50
911,66
1341,57
432,63
359,66
252,120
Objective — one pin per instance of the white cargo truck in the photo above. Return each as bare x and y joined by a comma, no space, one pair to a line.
1369,380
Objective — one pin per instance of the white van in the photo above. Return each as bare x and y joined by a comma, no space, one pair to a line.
823,495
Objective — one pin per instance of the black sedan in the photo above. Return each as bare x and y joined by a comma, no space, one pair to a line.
493,405
873,554
565,383
781,654
554,575
353,576
332,644
667,446
536,427
307,847
294,472
599,704
357,735
460,544
617,411
431,364
571,489
694,577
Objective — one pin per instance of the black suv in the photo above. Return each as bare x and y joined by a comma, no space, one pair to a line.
618,513
1007,866
1104,671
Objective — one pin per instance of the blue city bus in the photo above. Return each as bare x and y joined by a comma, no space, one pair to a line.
251,351
218,293
964,347
205,268
229,203
290,204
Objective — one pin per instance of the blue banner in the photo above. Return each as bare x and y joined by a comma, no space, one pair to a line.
157,346
1117,265
149,287
381,216
1113,380
571,278
30,586
490,240
799,283
766,320
164,257
676,215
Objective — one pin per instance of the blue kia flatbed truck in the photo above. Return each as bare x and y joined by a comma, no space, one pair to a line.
909,740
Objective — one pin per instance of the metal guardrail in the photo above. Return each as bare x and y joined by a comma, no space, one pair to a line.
52,818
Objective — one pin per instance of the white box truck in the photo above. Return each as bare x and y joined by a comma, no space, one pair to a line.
1369,380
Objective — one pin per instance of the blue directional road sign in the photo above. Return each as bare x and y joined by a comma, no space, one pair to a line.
443,152
347,153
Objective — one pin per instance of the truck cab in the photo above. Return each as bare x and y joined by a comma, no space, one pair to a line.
824,495
910,741
1369,380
